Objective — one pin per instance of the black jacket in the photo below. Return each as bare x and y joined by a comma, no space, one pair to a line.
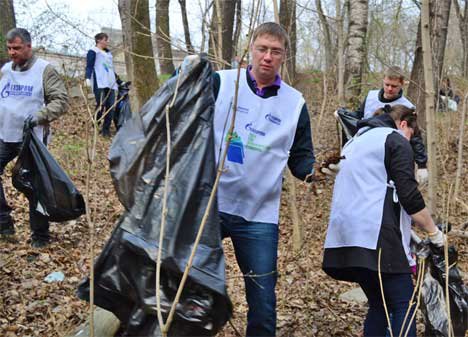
399,165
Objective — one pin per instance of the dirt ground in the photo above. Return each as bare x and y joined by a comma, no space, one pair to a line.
308,300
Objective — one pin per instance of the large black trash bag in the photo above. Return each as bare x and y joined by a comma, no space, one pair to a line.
348,123
46,185
434,297
123,110
125,270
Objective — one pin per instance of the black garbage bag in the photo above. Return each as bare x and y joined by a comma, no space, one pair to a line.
348,123
123,110
46,185
125,270
434,296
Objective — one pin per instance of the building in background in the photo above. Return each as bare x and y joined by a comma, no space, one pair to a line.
73,66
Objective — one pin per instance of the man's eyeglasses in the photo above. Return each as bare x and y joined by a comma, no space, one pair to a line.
275,52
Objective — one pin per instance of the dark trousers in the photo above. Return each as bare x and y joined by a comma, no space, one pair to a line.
398,289
256,249
38,222
105,99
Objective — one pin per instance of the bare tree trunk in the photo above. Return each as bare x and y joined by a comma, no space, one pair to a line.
229,11
213,44
357,49
7,22
430,100
145,79
237,31
163,37
287,16
438,25
416,85
463,26
188,41
125,19
330,50
460,146
340,52
205,22
222,42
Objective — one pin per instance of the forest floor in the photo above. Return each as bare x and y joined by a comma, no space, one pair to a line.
308,300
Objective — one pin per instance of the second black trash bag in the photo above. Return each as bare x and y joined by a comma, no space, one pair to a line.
46,185
125,270
433,291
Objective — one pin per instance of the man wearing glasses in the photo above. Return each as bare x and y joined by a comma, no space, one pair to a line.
272,129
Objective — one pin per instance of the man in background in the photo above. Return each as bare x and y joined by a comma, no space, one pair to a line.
31,93
100,76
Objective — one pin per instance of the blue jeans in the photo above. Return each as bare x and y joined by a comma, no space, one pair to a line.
256,249
38,222
105,99
398,289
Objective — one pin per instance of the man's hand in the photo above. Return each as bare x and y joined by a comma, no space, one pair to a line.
31,122
88,83
437,238
422,175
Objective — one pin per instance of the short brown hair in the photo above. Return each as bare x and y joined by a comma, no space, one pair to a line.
100,36
401,113
395,73
274,29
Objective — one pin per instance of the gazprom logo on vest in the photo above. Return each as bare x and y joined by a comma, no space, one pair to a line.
250,128
273,119
6,90
16,90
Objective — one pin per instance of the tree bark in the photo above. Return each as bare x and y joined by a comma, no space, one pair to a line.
357,49
430,100
287,16
126,20
463,26
145,79
238,28
340,52
460,146
222,40
7,22
229,12
438,24
163,37
213,43
330,50
188,41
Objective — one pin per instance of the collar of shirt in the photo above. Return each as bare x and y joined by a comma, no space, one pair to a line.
385,100
26,65
262,91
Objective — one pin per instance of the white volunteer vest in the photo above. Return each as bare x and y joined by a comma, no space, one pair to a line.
264,132
21,96
373,103
356,218
104,69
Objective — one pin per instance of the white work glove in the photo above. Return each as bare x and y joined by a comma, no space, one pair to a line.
437,238
422,175
331,170
88,83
